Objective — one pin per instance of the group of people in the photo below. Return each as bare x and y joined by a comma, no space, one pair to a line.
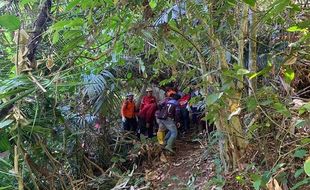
163,118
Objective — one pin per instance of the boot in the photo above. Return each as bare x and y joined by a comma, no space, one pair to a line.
160,137
170,144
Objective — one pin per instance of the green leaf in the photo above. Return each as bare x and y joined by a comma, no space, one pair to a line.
231,2
257,184
294,29
10,22
153,4
300,123
307,167
280,108
307,106
300,183
5,123
250,2
5,163
243,72
72,4
122,160
24,2
300,153
298,172
129,75
251,104
276,8
4,142
6,187
55,38
262,72
289,75
114,159
212,98
305,141
304,108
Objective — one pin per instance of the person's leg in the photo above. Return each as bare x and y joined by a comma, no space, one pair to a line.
194,115
173,134
167,136
150,129
142,125
182,120
160,132
186,120
133,124
126,125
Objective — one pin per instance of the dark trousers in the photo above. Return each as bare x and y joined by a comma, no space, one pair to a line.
130,124
146,128
184,119
195,115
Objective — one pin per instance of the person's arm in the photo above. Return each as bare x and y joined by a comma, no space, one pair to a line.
123,110
142,104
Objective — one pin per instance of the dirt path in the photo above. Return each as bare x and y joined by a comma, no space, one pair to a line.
189,168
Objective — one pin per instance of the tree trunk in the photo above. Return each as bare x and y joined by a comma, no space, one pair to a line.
39,27
252,48
234,144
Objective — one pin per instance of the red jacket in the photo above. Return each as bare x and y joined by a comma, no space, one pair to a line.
148,112
146,100
147,108
184,100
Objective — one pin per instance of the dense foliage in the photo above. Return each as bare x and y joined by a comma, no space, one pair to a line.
65,65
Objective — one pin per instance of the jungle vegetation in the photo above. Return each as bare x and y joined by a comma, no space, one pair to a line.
67,64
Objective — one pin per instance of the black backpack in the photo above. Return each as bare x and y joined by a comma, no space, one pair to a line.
168,110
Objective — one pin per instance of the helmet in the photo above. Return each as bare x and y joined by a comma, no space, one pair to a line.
149,90
170,93
129,94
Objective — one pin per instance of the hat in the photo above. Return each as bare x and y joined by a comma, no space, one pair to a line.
129,94
149,89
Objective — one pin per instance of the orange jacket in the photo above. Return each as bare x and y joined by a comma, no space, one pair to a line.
128,109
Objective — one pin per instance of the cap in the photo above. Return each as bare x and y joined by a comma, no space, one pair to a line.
149,89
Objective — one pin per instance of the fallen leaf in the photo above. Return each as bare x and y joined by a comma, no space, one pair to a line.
163,157
273,185
291,60
50,62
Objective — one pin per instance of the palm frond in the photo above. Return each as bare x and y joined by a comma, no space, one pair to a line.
100,90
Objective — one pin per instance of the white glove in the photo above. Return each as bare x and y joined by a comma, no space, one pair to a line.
123,119
188,107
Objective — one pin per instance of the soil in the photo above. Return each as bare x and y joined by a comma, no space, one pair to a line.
189,168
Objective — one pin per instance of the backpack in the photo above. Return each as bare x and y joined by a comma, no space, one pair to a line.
168,110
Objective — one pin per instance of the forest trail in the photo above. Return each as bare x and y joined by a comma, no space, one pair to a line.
189,168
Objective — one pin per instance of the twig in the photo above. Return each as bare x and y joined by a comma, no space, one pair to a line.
36,82
33,179
93,163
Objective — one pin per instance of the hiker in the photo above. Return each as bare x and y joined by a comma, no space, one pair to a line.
196,108
168,118
184,112
128,113
161,128
147,110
